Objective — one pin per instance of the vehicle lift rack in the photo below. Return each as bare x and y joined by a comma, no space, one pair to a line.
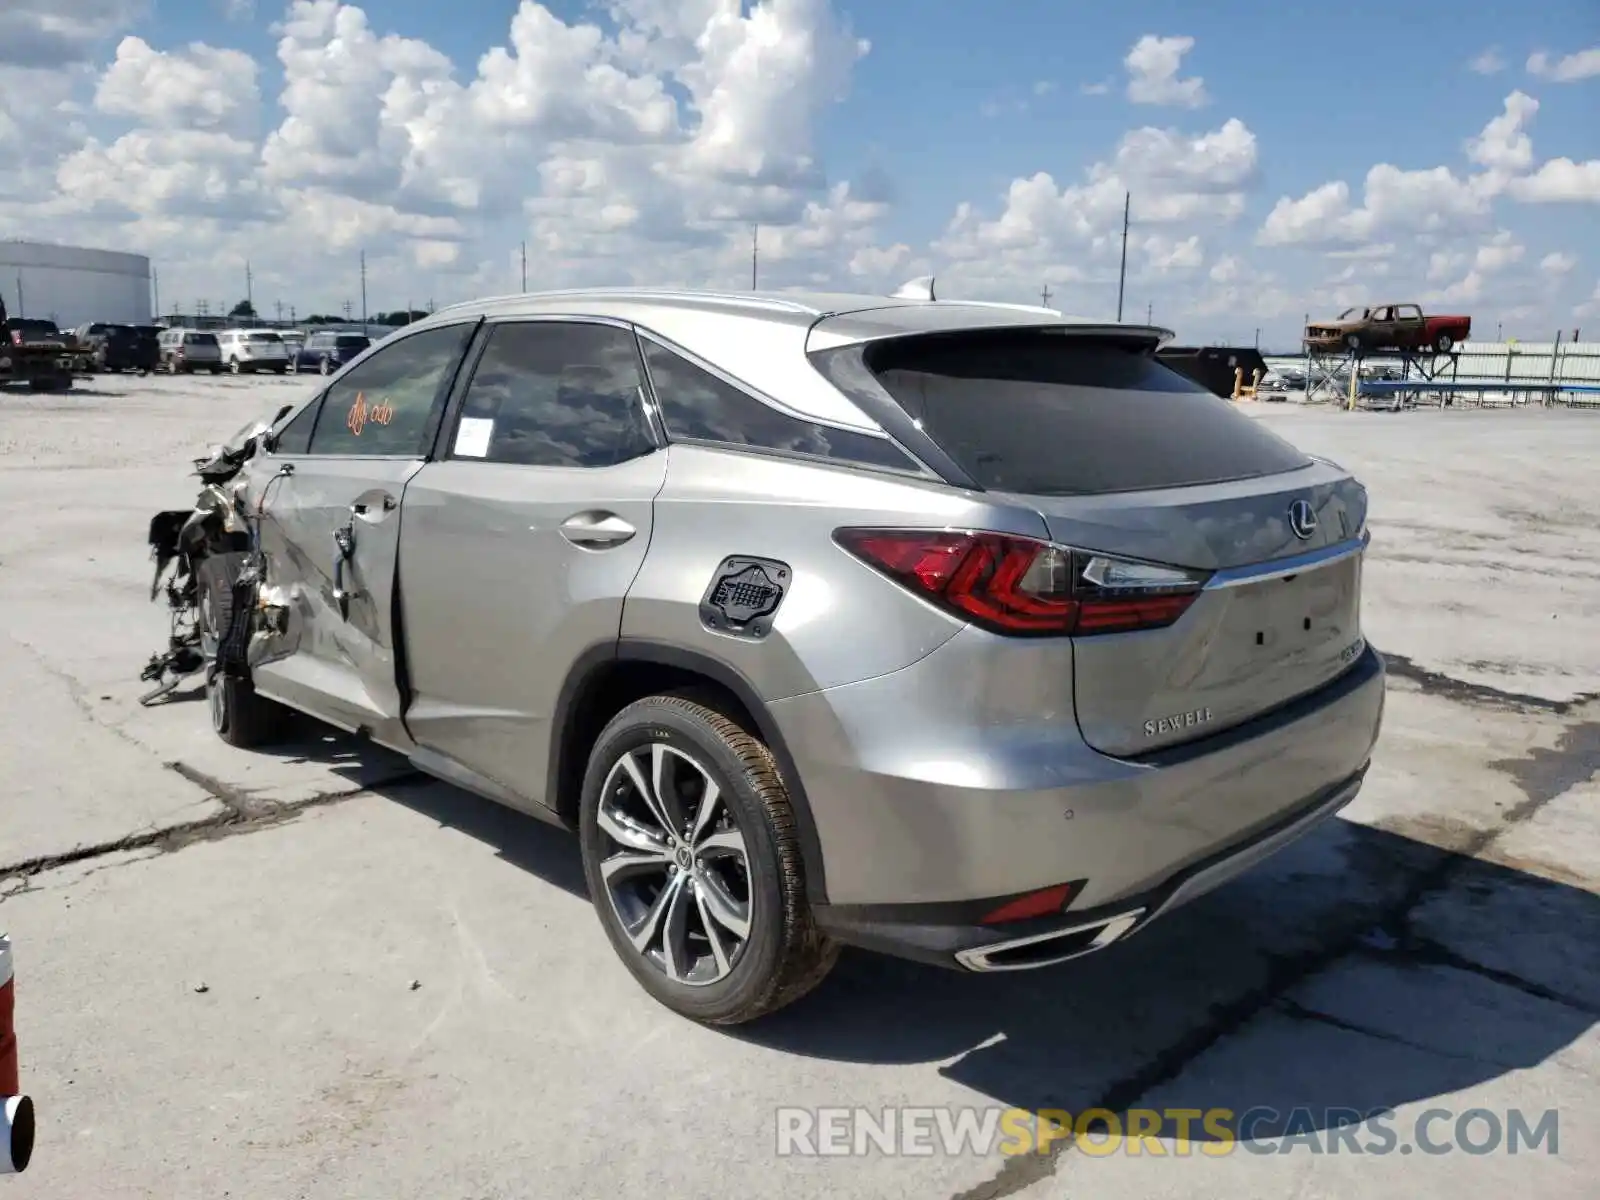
1333,371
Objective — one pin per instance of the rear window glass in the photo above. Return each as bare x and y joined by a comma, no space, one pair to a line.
354,343
1053,415
201,339
262,337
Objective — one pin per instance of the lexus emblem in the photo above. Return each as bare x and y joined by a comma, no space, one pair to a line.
1302,519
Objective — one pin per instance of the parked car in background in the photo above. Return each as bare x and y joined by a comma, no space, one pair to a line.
326,351
189,350
253,350
1388,327
114,347
34,331
965,632
43,365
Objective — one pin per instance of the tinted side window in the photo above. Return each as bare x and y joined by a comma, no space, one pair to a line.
385,405
1059,415
698,406
555,394
296,435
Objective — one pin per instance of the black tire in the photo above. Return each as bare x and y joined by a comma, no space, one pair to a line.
1443,344
1352,341
325,368
239,716
233,366
785,954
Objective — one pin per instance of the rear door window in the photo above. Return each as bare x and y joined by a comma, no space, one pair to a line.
697,406
555,394
1052,414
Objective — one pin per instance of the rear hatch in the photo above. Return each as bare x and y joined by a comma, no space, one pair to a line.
1133,464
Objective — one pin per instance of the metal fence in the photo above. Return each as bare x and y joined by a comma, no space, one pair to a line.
1516,365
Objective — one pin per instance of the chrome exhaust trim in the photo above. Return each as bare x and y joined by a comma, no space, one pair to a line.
1106,931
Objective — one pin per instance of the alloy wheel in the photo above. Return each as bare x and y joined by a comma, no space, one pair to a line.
676,867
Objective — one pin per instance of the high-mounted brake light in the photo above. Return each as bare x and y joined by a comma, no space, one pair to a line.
1022,586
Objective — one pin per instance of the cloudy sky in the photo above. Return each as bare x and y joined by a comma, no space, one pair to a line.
1282,158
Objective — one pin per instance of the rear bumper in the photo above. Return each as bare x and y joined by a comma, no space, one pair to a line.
942,790
958,940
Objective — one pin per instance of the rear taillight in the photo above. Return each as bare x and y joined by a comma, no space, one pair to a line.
1021,586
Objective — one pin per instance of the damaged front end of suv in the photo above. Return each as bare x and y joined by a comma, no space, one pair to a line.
207,566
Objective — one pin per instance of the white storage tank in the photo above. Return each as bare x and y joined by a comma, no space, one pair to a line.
72,285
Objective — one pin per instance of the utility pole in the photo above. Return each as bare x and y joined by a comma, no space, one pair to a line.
363,291
249,288
1044,296
22,305
155,285
278,308
347,310
524,270
1122,277
1258,337
1150,313
293,320
755,237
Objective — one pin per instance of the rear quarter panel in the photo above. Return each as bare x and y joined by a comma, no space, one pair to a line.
840,621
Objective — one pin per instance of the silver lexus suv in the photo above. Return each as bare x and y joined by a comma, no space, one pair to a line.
963,632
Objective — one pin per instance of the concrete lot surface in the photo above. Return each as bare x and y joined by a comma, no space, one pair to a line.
316,974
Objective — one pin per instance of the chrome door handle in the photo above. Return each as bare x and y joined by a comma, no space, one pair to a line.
596,529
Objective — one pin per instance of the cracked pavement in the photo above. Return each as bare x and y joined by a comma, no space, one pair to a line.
216,950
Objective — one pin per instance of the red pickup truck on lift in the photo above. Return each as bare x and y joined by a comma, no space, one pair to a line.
1388,327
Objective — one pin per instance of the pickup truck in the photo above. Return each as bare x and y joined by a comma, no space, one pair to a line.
1388,327
34,351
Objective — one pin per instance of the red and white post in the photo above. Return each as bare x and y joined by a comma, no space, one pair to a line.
16,1135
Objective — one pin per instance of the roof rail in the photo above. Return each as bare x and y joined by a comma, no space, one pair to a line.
754,299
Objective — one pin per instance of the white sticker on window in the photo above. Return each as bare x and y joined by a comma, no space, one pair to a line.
472,437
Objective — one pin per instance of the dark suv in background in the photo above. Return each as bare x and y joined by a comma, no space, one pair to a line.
114,347
326,352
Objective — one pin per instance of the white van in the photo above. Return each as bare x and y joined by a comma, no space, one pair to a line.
253,350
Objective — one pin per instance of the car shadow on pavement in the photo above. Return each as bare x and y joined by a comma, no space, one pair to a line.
525,842
1357,971
1411,973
